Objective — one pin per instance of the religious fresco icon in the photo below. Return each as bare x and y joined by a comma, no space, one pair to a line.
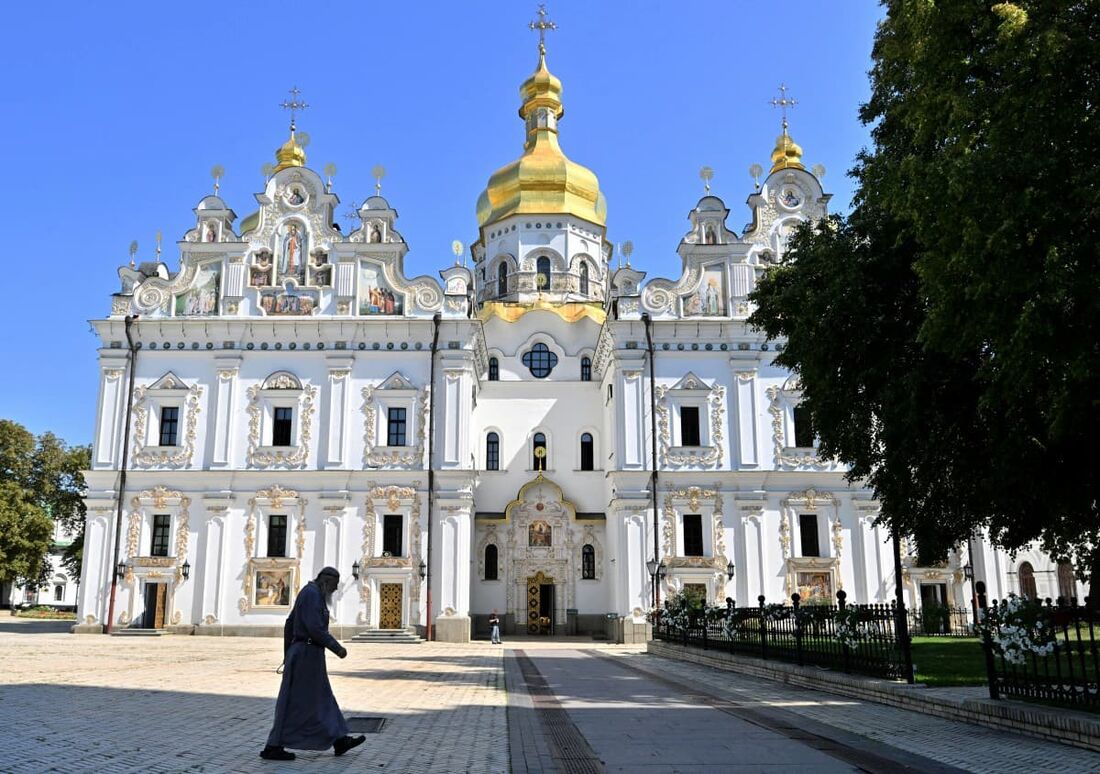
273,587
292,247
201,299
815,587
540,535
288,302
375,294
710,299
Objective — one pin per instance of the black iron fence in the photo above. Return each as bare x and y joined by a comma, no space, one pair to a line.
942,621
1043,652
859,639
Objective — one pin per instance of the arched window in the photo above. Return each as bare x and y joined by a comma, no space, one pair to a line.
543,278
1026,575
586,369
502,279
492,452
540,460
588,453
584,279
1067,584
588,562
58,593
494,370
490,562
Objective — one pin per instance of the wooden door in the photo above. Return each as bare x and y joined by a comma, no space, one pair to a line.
390,606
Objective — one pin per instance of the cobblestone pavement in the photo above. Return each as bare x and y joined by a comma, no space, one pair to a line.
962,745
92,703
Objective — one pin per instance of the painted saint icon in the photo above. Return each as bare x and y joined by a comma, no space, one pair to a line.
293,246
539,534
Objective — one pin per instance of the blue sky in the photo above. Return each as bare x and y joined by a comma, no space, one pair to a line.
114,114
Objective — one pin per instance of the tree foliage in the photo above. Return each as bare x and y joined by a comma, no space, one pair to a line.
42,481
947,332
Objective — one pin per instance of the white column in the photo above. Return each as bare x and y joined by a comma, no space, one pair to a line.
455,525
750,559
222,411
338,378
632,419
212,560
635,575
745,406
112,397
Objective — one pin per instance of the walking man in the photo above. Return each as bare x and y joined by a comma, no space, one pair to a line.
306,714
494,628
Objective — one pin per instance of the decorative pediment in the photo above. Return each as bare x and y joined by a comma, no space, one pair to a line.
396,381
282,380
540,496
691,382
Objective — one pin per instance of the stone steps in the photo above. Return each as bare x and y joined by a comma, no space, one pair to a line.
137,632
387,636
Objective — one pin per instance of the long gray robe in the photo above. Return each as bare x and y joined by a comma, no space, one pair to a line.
306,714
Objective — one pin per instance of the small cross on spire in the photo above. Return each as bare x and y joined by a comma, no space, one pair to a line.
784,102
542,25
293,105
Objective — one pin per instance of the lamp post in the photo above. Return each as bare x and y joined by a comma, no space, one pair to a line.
651,566
729,571
423,571
185,570
968,574
355,570
121,569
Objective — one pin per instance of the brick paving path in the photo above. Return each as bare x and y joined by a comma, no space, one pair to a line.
91,703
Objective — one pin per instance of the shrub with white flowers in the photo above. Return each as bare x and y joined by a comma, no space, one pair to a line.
1019,628
848,628
775,612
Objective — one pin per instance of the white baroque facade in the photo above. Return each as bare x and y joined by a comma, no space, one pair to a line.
485,442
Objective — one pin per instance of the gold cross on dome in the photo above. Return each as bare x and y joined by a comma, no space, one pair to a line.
542,25
784,102
293,105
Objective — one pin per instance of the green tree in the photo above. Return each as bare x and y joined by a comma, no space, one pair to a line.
947,332
41,479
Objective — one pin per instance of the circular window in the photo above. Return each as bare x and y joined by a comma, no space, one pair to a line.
540,361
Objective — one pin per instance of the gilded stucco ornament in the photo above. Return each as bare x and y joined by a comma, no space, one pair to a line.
179,456
788,455
375,455
703,456
267,456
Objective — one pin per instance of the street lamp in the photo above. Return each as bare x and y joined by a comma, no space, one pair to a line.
121,567
968,571
423,571
355,570
662,571
185,570
651,565
729,571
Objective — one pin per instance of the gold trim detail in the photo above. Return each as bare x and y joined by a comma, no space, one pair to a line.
571,312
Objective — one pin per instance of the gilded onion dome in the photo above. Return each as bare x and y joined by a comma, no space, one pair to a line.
290,153
787,153
542,181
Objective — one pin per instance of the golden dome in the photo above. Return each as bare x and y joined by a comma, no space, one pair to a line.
787,153
542,181
290,154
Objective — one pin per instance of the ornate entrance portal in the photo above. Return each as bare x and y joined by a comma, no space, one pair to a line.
540,604
389,616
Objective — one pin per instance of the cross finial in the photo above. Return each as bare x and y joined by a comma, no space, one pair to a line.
542,25
293,105
784,102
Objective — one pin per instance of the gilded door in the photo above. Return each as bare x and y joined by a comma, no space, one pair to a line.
538,620
162,598
390,603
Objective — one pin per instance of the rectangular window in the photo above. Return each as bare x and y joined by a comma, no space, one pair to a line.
281,428
807,530
395,427
276,535
169,425
803,428
693,534
392,533
162,524
689,426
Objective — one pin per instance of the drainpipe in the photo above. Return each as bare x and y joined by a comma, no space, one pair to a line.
431,475
653,475
132,363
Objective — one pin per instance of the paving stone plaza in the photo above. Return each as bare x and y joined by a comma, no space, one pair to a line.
204,704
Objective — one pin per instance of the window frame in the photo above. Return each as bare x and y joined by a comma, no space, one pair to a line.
536,463
502,279
492,450
800,419
494,369
397,427
538,358
587,455
696,519
174,424
494,575
584,278
273,530
276,410
697,427
544,268
803,531
390,530
588,562
586,368
162,528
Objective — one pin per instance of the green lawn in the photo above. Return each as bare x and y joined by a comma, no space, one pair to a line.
940,661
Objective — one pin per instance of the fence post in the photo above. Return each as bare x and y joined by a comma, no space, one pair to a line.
730,605
841,596
795,598
987,643
706,625
763,629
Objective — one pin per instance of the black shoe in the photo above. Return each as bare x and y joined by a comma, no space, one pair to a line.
345,743
276,754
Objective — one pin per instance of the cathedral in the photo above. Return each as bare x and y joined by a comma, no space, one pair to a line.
548,434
